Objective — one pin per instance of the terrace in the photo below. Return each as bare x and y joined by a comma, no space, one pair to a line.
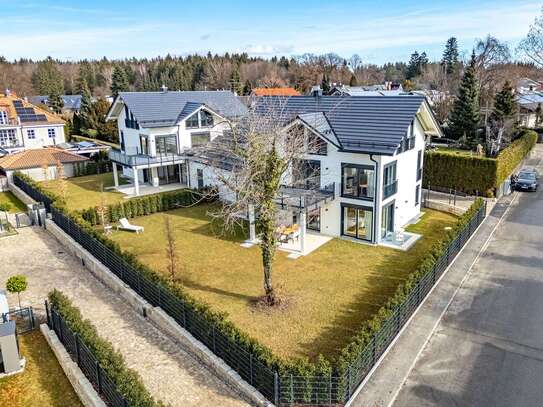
328,293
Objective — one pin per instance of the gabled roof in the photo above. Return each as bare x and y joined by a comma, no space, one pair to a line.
26,113
167,108
366,124
275,92
318,122
530,100
72,102
37,158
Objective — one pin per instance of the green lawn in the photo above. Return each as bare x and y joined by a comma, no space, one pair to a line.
84,192
43,382
16,205
330,292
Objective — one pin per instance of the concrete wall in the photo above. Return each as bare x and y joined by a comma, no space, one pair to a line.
82,387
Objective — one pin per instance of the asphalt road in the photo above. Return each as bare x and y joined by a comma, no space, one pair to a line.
488,348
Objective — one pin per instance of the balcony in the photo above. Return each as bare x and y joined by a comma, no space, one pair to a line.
300,197
390,189
137,159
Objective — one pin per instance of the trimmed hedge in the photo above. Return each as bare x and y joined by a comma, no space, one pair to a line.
36,185
476,175
147,205
127,381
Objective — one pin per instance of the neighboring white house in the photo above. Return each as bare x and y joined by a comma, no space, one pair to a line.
156,128
386,89
41,164
368,165
24,126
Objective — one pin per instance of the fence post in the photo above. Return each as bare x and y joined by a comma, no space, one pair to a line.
47,314
251,368
98,377
77,349
213,335
276,388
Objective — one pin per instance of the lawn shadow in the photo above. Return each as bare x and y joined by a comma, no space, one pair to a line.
207,288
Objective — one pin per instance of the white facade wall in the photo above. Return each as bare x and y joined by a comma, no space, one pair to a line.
41,137
38,174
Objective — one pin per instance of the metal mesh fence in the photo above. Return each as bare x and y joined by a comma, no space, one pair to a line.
83,356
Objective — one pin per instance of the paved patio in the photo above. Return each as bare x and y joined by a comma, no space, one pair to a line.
169,373
146,189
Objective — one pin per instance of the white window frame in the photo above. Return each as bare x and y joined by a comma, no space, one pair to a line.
4,117
31,134
52,131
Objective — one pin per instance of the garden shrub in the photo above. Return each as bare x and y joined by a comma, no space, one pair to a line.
476,175
127,381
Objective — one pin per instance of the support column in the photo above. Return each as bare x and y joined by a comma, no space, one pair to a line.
154,177
303,221
252,229
136,182
115,175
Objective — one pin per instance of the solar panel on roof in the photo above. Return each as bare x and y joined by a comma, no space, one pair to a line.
41,117
17,103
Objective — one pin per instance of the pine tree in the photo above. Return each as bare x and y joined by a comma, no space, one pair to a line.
413,69
56,103
119,80
235,82
247,88
504,103
464,117
47,79
325,85
85,110
450,56
353,81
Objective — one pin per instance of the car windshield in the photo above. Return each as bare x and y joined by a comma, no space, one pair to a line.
526,176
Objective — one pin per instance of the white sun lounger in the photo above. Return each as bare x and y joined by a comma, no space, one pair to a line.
125,225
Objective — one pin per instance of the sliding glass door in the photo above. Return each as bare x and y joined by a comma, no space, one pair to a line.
357,222
387,220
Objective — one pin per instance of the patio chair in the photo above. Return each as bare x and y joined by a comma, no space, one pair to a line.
295,233
126,225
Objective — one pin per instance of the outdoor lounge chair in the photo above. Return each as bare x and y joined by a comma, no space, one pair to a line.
125,225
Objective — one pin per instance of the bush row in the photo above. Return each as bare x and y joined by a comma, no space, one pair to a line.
36,185
127,381
476,175
146,205
355,349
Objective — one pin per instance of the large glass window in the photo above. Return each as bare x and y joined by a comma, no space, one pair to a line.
357,222
358,181
199,139
192,122
387,220
206,118
8,138
316,145
307,174
390,184
166,144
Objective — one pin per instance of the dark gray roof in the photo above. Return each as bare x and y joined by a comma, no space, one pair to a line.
156,109
361,123
72,102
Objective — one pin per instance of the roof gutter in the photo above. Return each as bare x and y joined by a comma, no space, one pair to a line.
375,200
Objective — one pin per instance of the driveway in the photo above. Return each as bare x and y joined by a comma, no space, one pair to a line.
168,372
488,348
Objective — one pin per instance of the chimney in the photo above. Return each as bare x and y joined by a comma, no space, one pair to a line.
316,91
164,88
8,92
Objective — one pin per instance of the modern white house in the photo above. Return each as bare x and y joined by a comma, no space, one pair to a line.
24,126
156,128
366,171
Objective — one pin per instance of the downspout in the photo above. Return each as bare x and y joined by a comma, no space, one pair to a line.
375,200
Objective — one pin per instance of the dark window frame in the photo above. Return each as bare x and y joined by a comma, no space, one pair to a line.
419,165
357,167
322,144
417,195
199,133
357,207
390,188
189,121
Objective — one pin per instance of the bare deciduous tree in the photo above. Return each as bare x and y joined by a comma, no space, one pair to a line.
261,154
532,45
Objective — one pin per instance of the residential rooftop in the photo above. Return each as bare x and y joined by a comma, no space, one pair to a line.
37,158
21,112
275,92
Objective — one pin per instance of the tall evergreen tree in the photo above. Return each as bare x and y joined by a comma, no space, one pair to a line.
247,88
353,81
119,80
504,103
325,85
464,117
47,79
85,111
56,103
235,82
450,55
413,68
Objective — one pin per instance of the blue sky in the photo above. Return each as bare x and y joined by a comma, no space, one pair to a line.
92,29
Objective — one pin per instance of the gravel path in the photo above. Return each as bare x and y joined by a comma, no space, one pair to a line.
169,373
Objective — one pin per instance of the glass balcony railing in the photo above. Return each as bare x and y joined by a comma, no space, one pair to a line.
390,189
135,158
